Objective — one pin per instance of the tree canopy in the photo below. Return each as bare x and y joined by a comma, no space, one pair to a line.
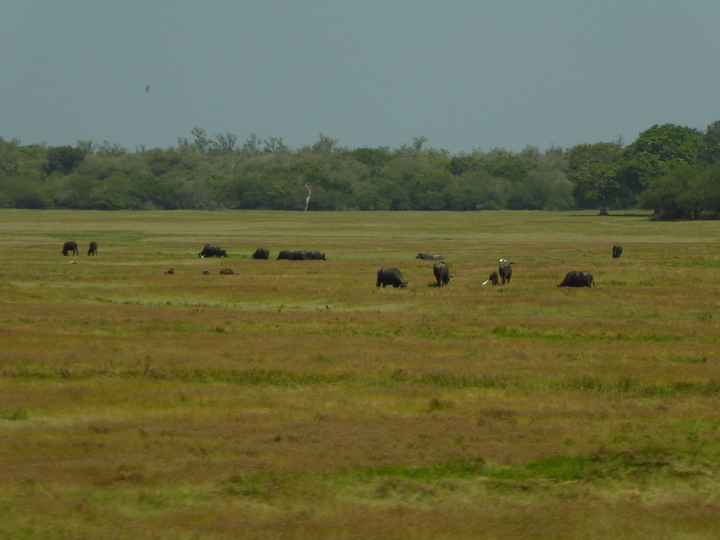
593,170
659,170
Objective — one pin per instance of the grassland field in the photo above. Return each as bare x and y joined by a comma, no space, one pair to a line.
295,399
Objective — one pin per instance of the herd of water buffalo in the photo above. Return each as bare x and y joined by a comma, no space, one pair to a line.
386,275
72,247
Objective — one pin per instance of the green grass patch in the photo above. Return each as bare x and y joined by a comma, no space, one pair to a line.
505,332
13,414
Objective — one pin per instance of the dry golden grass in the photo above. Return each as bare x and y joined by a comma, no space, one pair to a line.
296,399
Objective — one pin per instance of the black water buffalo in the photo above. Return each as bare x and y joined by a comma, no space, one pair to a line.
505,271
227,272
442,273
492,278
261,253
92,250
170,272
577,279
298,255
301,255
212,251
617,251
390,276
315,255
70,247
429,256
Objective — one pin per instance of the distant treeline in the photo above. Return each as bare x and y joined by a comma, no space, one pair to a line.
673,170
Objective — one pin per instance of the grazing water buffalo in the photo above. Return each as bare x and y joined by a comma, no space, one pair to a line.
261,253
390,276
212,251
577,279
429,256
492,278
617,251
70,247
442,273
170,272
505,271
92,250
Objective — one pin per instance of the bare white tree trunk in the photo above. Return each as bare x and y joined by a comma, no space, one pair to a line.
307,198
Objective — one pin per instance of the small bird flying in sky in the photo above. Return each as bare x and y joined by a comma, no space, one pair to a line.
147,88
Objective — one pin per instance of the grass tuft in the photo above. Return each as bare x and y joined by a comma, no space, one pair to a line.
13,414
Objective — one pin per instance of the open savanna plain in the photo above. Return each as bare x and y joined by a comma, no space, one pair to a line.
295,399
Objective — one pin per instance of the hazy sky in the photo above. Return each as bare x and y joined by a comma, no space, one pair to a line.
465,74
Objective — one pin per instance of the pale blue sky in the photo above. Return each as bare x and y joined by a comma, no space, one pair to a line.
465,74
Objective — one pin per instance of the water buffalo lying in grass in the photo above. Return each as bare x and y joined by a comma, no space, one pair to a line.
294,255
577,279
301,255
261,253
227,272
390,276
429,256
212,251
92,250
442,273
617,251
70,247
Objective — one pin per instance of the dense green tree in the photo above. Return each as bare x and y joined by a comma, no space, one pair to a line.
116,193
686,192
63,159
463,196
427,190
154,192
593,170
160,162
504,164
248,192
710,144
657,151
487,191
459,165
9,156
75,191
543,189
24,190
